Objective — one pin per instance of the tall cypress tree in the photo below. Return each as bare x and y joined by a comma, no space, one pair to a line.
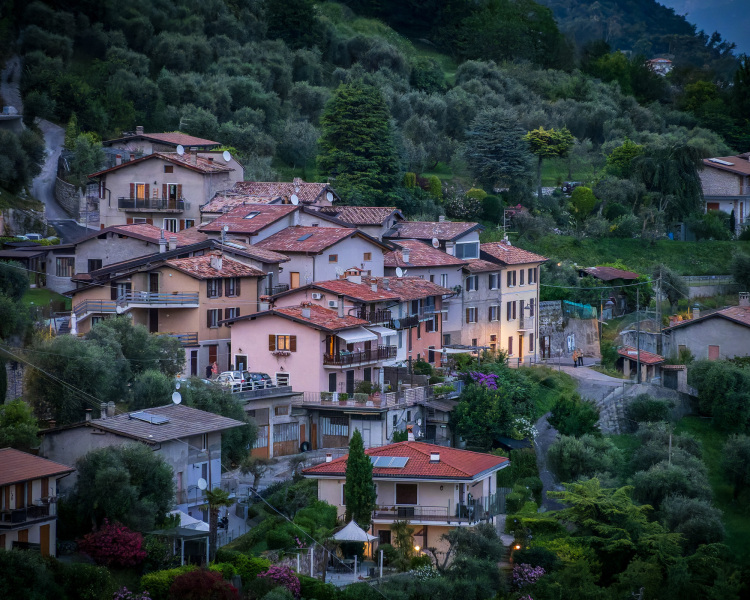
356,148
359,490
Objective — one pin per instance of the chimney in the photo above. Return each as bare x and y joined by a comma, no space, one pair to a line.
118,159
297,181
386,283
696,311
139,130
173,242
210,159
88,414
295,218
216,262
409,433
306,312
110,409
162,243
441,219
194,155
374,287
103,410
341,307
434,457
744,298
329,457
450,248
405,253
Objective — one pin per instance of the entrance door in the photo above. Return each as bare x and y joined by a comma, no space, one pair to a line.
332,382
293,280
153,320
302,432
241,362
153,283
520,346
44,539
23,536
350,382
314,436
193,363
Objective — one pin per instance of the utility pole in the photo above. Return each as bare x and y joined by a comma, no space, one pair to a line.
658,311
638,333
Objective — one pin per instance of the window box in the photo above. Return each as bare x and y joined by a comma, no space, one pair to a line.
281,353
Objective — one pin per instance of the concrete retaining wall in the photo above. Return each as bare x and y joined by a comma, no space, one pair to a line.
566,334
69,197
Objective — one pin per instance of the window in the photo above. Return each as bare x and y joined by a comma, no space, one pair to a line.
251,215
713,353
472,283
213,316
511,278
474,342
281,411
510,345
367,256
444,279
139,221
431,354
170,225
189,223
520,277
467,250
213,288
432,278
494,313
471,315
406,493
282,342
494,281
64,266
231,313
168,168
232,287
531,342
532,275
414,308
384,536
96,319
94,264
333,258
531,307
446,339
431,325
204,446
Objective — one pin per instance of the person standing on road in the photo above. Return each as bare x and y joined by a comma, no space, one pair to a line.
214,369
580,357
208,371
575,357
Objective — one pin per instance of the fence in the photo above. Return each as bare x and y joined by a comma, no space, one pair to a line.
578,311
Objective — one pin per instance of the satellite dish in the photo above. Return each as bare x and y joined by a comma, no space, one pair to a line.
396,324
118,310
435,243
226,155
329,197
180,149
295,199
202,483
399,272
176,397
225,228
177,385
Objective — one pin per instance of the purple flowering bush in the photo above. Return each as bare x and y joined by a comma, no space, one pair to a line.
524,574
488,380
125,594
283,576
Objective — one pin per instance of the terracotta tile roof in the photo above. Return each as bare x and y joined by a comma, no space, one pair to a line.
227,200
200,267
357,291
149,233
481,266
610,273
320,238
184,421
421,254
320,317
410,288
361,215
174,138
508,255
426,230
453,463
20,466
194,163
250,218
736,314
740,165
308,193
259,254
647,358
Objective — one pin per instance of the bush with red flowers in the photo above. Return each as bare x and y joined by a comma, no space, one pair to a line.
202,585
114,545
283,576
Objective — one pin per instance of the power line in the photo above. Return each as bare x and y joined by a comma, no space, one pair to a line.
601,287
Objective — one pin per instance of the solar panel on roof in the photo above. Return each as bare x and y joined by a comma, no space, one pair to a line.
304,237
389,462
399,462
149,418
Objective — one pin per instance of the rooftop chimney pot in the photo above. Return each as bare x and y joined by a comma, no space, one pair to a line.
405,254
374,287
173,242
434,457
441,219
744,298
329,457
118,159
386,283
139,130
110,409
103,410
341,307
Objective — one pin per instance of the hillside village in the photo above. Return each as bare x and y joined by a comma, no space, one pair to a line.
422,317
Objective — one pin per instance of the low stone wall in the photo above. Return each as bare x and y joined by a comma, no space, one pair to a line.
69,197
14,372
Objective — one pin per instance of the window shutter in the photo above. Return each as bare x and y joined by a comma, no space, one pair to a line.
227,313
148,191
182,224
522,274
514,308
237,286
179,191
132,190
149,221
271,343
218,288
163,190
467,315
208,318
293,343
489,314
129,221
226,287
113,291
237,312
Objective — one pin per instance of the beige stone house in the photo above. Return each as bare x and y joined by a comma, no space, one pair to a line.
726,186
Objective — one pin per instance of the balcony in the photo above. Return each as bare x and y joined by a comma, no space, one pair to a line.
473,511
88,307
277,289
166,205
346,359
157,300
375,316
13,518
407,397
186,339
403,322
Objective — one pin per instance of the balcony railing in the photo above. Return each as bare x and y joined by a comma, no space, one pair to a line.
405,397
403,322
352,358
194,495
18,516
156,299
186,339
476,509
157,203
375,316
94,306
277,289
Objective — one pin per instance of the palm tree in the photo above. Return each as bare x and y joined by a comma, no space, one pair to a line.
216,499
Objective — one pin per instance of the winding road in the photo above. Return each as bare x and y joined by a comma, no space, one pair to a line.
43,186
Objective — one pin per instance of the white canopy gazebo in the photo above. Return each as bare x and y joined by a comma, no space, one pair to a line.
353,533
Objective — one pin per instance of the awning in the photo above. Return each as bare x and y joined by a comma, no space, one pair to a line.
383,331
353,533
358,334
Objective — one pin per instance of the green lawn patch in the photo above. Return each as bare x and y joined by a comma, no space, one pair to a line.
736,517
43,297
551,385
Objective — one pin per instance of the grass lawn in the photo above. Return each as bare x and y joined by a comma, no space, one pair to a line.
43,297
552,384
736,515
556,171
686,258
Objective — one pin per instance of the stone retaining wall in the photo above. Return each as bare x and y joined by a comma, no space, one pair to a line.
69,197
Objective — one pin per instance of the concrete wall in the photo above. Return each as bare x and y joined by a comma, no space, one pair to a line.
733,339
110,248
566,334
69,197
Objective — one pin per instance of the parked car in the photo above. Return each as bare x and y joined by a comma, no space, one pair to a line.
34,236
234,380
258,381
569,186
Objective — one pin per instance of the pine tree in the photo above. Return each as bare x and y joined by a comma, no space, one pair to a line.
359,490
356,147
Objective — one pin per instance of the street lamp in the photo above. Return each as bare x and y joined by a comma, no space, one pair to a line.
417,549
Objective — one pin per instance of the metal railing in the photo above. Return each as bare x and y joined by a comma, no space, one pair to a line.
186,339
405,397
472,511
352,358
152,203
404,322
28,513
375,316
277,289
95,306
181,298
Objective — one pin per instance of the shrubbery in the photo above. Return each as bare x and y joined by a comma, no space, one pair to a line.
572,415
114,545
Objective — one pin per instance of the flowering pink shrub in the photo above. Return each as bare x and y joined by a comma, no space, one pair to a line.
525,574
114,545
283,576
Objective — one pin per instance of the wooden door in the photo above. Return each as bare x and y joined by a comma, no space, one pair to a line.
294,280
302,432
20,489
314,436
153,283
153,320
44,539
23,536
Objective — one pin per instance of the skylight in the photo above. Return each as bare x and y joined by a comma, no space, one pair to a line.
389,462
304,237
149,418
251,215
